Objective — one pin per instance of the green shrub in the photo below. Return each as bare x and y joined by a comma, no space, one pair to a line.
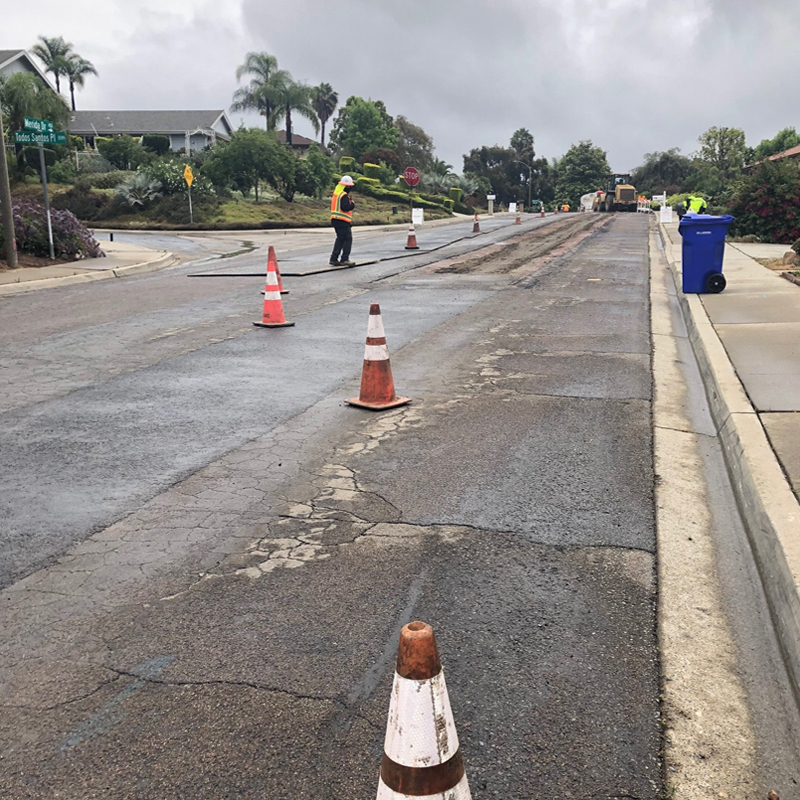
372,171
347,164
123,152
107,180
156,143
363,182
82,202
448,204
455,194
796,246
174,209
767,203
62,171
31,155
169,173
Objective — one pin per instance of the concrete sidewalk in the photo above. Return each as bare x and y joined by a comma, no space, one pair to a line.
747,343
121,259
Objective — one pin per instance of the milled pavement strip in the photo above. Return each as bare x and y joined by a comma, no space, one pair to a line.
710,749
768,505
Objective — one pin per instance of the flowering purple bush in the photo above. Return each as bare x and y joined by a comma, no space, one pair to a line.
71,240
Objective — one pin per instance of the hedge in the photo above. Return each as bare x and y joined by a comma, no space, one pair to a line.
368,187
455,194
448,204
347,164
372,170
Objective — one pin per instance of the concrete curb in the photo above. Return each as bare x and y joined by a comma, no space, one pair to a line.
141,268
768,506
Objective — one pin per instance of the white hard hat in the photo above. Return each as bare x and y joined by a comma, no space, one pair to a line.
347,181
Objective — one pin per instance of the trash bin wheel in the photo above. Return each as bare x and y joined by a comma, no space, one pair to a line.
715,283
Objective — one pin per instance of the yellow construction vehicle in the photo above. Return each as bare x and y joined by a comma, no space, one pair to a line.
619,195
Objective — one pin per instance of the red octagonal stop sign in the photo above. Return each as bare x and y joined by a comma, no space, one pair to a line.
412,176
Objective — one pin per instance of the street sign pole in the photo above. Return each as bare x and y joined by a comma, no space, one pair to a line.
6,213
46,201
191,215
411,177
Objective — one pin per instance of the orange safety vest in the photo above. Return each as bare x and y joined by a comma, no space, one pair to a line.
336,205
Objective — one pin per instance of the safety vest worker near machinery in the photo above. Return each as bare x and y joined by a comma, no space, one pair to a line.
696,205
342,221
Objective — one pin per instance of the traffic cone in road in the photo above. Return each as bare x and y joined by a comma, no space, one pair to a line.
541,214
518,220
377,385
411,244
274,259
421,754
272,316
476,226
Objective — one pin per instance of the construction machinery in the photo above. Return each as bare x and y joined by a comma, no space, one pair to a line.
619,195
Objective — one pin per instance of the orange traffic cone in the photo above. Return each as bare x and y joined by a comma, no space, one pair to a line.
412,239
476,226
377,386
421,753
274,259
542,212
518,220
273,307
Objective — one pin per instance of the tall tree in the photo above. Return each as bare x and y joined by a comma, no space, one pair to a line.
256,96
362,124
783,140
724,149
584,168
325,101
290,96
414,146
522,142
662,172
76,70
53,52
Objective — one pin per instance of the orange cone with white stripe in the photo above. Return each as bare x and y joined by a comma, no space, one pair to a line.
377,385
421,753
274,259
476,226
411,244
541,214
272,316
518,220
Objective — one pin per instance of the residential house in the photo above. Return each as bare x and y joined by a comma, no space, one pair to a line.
12,61
190,130
300,144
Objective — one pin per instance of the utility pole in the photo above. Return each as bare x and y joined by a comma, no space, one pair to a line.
6,215
530,178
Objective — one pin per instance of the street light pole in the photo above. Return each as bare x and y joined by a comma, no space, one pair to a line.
6,214
530,179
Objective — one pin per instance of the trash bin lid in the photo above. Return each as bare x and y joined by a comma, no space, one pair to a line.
706,219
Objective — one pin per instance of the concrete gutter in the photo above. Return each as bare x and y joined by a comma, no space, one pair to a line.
162,259
769,508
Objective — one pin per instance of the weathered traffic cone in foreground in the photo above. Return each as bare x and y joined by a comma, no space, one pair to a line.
421,754
377,385
411,244
541,214
272,316
518,220
476,226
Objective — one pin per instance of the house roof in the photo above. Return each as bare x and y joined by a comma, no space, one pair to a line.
792,151
297,139
9,56
139,122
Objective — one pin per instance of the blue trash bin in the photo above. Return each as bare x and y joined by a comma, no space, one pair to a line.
703,251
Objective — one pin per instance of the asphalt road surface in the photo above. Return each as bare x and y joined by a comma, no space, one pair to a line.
207,555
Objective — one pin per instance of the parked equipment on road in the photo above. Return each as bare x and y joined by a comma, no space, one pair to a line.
703,251
619,195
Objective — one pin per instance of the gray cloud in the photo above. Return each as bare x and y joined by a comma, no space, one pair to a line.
632,75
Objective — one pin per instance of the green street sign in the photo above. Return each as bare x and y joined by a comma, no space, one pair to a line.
29,137
38,125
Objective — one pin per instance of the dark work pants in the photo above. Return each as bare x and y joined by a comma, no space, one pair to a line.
344,239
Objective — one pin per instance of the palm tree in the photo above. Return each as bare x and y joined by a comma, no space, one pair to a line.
324,102
256,96
53,53
290,95
76,70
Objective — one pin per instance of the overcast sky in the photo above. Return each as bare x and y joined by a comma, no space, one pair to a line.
632,75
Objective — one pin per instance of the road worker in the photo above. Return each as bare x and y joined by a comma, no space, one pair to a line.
342,221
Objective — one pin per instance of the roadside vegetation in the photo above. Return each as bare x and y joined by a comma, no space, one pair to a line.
262,180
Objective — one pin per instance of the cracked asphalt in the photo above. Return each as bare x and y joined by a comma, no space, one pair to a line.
207,556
